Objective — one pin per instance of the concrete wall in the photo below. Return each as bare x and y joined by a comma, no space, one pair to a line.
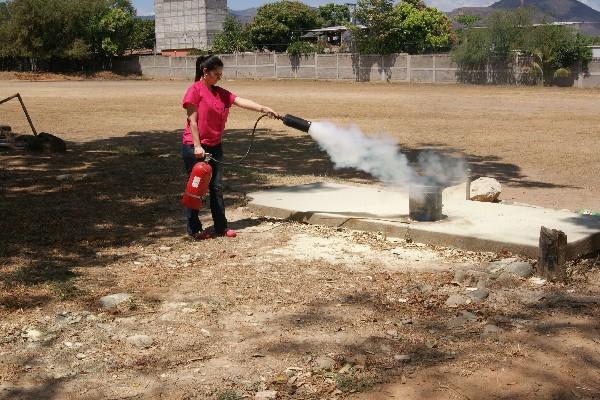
188,24
437,68
591,77
393,68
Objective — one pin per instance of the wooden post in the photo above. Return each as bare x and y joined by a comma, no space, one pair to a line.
553,254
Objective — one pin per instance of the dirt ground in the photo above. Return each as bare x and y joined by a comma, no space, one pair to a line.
308,312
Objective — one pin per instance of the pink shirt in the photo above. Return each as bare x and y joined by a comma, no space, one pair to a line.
213,110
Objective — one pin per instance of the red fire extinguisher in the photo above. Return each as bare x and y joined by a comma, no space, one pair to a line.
197,185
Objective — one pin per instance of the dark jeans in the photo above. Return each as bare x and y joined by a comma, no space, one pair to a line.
217,205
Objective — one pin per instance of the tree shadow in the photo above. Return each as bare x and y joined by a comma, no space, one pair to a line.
434,328
489,165
42,391
362,66
64,210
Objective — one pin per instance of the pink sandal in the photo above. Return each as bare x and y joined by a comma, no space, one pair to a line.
202,235
230,233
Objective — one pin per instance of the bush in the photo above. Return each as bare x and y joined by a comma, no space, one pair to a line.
563,78
199,52
302,48
562,73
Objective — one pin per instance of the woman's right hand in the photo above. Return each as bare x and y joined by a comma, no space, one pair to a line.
199,152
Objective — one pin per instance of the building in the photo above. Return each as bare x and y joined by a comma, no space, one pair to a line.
182,25
596,51
334,36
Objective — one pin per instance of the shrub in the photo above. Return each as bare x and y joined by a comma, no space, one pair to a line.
302,48
562,73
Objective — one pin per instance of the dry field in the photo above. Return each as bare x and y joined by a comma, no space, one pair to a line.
308,312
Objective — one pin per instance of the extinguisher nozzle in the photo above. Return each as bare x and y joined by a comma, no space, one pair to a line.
296,122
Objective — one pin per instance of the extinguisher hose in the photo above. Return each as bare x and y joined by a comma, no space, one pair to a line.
252,137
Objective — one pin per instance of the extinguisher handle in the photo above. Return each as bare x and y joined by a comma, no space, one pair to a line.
207,157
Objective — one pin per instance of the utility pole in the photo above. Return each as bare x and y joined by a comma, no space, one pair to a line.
352,10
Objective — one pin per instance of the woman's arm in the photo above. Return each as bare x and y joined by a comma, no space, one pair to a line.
253,106
192,116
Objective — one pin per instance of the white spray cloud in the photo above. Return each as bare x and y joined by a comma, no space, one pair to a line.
380,156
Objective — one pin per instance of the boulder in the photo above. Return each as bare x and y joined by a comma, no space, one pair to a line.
485,189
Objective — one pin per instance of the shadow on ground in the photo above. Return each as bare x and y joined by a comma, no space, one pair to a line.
61,210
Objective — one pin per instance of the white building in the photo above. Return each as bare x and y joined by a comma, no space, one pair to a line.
187,24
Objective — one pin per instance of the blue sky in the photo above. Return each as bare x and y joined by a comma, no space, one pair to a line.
146,7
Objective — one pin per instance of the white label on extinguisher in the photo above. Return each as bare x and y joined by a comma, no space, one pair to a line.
196,182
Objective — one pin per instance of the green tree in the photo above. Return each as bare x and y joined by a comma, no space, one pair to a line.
234,38
409,26
505,31
555,47
4,21
512,32
143,36
278,24
44,29
468,21
381,35
334,14
112,31
425,29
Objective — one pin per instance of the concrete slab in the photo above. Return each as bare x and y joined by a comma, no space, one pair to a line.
468,224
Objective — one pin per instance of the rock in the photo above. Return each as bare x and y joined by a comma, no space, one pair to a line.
537,281
479,294
460,277
80,356
113,300
520,269
499,266
392,333
402,357
485,189
456,322
506,279
266,395
141,341
345,369
165,249
456,300
491,330
357,359
63,177
205,332
469,316
324,363
33,335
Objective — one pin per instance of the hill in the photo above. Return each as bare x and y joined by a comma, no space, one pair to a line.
545,10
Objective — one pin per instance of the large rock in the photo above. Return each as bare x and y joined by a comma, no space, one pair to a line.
266,395
113,300
142,341
324,363
479,295
485,189
456,300
522,269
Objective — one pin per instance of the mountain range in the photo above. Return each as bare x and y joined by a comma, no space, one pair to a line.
545,10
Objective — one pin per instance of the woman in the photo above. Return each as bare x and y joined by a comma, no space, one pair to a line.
207,107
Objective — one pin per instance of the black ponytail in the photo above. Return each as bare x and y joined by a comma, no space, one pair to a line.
209,62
